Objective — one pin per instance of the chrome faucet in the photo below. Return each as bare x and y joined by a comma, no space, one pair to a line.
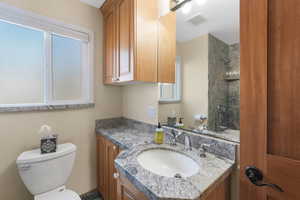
187,140
174,135
187,143
203,149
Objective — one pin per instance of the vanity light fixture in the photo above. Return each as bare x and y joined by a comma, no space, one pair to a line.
182,4
186,8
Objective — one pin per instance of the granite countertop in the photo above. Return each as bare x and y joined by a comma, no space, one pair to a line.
134,138
126,137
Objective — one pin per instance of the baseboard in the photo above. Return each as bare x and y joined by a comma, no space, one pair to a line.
92,195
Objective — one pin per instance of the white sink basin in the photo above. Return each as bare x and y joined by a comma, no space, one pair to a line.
168,163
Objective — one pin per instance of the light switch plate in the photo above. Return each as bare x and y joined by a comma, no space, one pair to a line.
151,112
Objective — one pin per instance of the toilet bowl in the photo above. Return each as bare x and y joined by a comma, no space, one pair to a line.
45,175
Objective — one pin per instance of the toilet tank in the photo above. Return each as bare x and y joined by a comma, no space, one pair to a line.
45,172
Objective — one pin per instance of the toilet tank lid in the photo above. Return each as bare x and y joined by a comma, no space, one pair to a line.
36,156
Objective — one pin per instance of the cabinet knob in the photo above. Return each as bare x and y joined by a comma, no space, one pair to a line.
116,175
115,148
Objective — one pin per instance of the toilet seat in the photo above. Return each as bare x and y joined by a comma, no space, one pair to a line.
59,194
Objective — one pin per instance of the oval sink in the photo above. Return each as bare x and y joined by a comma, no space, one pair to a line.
165,162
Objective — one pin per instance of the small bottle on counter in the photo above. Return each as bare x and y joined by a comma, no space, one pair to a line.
180,124
159,135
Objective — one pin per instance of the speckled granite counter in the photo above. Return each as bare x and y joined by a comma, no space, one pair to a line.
135,137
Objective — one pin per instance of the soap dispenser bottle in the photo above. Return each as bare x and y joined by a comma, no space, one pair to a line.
159,135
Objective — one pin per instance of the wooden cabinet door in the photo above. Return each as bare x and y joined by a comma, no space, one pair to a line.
110,46
221,191
146,40
107,153
167,48
102,166
112,153
270,81
125,34
127,191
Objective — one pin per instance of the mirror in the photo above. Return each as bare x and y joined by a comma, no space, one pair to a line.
207,89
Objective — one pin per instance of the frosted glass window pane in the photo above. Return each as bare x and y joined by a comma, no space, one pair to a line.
21,64
167,91
66,61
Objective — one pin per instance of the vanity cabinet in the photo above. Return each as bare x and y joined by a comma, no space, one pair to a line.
107,174
139,46
113,185
219,191
127,191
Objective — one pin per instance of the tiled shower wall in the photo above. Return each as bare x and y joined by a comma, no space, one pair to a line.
217,86
233,96
223,95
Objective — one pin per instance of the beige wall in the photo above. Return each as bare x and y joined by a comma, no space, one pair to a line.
18,131
137,99
194,60
194,57
166,110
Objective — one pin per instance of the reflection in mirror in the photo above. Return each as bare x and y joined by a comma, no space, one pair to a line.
207,89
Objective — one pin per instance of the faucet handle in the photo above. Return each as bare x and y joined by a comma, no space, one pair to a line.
204,148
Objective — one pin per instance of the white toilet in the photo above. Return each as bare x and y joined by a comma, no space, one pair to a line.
45,175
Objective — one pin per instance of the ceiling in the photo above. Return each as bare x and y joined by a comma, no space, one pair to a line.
95,3
218,17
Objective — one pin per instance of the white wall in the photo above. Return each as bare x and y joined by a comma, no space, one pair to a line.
18,131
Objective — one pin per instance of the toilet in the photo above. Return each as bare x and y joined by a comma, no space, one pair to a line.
45,175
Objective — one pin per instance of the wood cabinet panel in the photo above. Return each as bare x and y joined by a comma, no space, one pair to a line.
101,159
167,48
284,79
146,39
220,192
131,42
125,40
109,46
112,153
107,153
127,191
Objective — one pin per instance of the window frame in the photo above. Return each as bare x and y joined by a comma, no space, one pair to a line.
177,87
50,27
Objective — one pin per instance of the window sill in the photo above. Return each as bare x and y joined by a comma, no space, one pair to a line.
169,101
39,108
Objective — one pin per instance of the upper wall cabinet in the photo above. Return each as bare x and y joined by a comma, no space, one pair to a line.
139,45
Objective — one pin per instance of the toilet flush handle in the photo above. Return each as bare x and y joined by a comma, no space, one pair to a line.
24,167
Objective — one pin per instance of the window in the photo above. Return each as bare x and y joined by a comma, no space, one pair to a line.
43,62
172,92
